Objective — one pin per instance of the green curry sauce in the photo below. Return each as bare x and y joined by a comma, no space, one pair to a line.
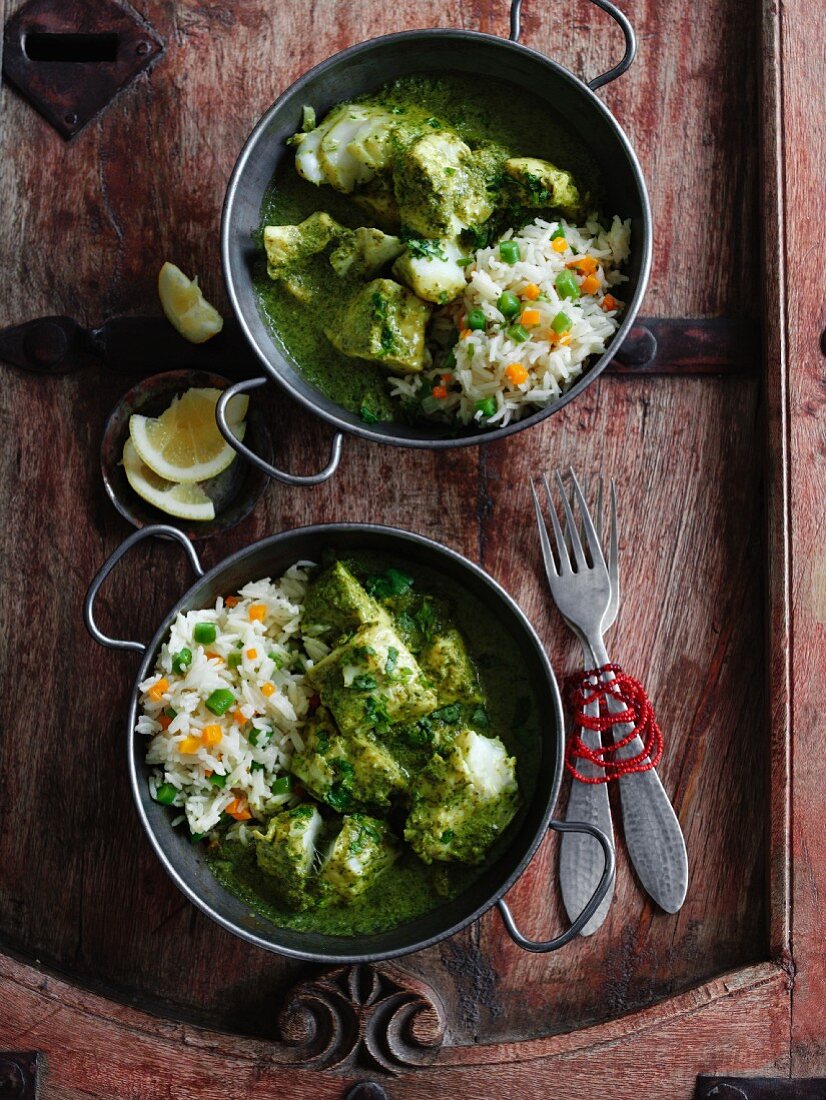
491,113
411,887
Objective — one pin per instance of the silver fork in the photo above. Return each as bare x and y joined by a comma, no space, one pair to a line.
581,860
582,592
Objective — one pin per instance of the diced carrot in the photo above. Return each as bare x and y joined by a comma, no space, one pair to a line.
207,773
531,292
585,265
239,717
258,612
213,656
189,745
463,335
447,379
238,809
165,721
516,373
252,654
558,339
211,735
232,601
559,244
530,317
439,392
156,691
609,302
268,689
590,284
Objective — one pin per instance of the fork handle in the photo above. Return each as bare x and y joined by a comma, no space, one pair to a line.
653,837
581,859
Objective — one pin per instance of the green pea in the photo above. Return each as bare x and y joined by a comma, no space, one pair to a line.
519,334
181,660
255,735
165,794
509,304
282,785
509,251
487,406
220,701
567,285
204,633
561,323
476,319
233,660
218,780
558,232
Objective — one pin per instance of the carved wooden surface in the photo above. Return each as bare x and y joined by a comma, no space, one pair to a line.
739,1021
86,227
802,324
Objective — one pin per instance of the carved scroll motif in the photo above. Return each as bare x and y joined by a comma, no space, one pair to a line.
354,1017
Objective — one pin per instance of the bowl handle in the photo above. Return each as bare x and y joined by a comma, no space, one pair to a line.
162,530
540,946
256,460
616,14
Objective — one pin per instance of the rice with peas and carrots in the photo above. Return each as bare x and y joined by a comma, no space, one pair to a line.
226,703
537,306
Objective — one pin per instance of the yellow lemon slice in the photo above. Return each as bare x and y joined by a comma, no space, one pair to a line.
183,501
183,443
186,307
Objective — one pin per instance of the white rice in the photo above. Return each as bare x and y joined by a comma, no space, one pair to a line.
482,358
282,653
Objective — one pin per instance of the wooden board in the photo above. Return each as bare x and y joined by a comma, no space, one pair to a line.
81,892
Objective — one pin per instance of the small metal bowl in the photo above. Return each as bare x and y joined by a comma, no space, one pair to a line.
234,492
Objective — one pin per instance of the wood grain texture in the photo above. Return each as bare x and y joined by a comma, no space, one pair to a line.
778,528
80,887
738,1022
796,160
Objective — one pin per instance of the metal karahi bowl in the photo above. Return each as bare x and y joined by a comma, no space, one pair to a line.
362,69
185,862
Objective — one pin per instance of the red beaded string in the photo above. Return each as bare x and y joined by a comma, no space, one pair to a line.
637,710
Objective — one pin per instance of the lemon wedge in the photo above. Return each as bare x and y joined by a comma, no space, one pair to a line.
184,444
186,307
182,501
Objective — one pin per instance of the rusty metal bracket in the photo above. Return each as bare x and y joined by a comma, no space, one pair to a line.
18,1074
760,1088
70,58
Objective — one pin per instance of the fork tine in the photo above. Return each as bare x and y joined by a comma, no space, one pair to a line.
571,502
576,542
593,541
598,523
613,548
562,550
547,553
